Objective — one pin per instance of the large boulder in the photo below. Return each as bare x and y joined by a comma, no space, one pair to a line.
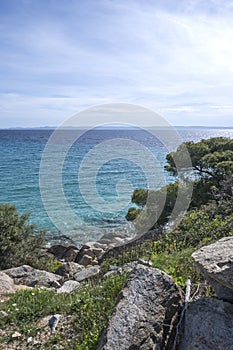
146,313
6,284
31,277
208,325
216,262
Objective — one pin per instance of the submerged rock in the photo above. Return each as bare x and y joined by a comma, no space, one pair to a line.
146,313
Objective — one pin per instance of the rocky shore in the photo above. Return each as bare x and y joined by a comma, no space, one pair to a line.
151,311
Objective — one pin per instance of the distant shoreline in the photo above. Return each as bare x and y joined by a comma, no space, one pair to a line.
118,127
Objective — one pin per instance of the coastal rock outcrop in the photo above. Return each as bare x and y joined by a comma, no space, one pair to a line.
31,277
208,325
66,253
146,313
216,262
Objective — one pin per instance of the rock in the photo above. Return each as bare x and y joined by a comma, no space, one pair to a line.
86,255
3,314
69,287
116,250
208,325
31,277
91,245
87,273
57,250
16,335
85,260
146,313
53,321
216,262
29,340
68,253
6,283
68,269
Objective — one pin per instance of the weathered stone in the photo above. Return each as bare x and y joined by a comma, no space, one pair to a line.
91,245
57,250
82,252
16,335
87,273
115,250
97,251
68,269
31,277
6,283
3,314
146,313
69,287
216,262
68,253
208,325
85,260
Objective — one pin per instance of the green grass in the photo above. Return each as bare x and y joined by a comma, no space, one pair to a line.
90,308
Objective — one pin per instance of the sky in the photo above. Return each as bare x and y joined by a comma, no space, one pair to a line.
60,57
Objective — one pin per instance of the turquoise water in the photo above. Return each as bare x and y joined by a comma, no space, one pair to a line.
21,152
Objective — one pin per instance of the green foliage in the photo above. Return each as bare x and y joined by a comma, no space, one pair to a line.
19,243
210,158
179,265
199,227
166,195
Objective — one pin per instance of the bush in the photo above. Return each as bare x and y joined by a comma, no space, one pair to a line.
19,243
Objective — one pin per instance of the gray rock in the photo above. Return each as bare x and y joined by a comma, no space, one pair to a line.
67,253
31,277
53,321
3,314
87,273
208,325
69,287
216,262
68,269
57,250
6,283
146,313
86,260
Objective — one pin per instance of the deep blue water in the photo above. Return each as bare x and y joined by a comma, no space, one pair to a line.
21,152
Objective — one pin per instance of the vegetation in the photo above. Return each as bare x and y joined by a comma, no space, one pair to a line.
86,311
20,243
212,162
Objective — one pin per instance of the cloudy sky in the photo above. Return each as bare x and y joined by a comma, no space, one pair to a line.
59,57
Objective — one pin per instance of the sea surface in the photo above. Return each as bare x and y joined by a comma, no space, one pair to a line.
83,187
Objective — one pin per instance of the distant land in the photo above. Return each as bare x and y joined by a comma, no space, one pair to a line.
110,127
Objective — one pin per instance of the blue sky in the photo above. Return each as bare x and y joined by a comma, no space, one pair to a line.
59,57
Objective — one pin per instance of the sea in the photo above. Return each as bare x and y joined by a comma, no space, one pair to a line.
78,184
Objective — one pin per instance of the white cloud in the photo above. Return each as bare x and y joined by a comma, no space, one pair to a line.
171,61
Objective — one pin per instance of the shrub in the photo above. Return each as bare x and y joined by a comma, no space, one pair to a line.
19,243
